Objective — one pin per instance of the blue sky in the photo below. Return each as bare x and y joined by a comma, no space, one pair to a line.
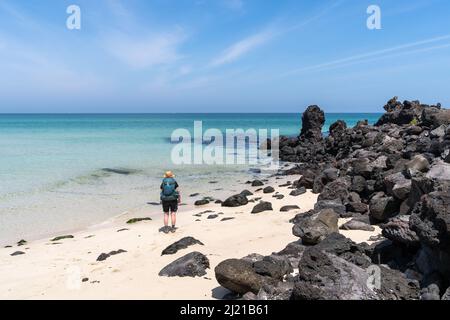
221,56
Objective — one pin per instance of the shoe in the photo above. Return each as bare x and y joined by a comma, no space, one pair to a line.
165,229
173,229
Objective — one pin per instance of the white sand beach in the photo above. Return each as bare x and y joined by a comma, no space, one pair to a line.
67,269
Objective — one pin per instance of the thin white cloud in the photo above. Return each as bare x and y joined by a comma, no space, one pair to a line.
248,44
241,48
388,56
379,53
148,51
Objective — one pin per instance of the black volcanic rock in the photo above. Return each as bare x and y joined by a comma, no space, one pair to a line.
383,207
257,183
323,276
395,174
289,208
398,230
104,256
235,201
268,189
313,120
314,227
262,206
181,244
191,265
238,276
297,192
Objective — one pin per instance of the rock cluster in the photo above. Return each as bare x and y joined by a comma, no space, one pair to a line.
394,174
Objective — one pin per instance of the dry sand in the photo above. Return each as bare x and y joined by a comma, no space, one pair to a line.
51,270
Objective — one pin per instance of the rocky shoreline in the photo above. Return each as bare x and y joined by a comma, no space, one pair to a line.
395,175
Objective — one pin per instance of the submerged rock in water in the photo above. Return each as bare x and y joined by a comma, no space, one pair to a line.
120,171
191,265
62,238
181,244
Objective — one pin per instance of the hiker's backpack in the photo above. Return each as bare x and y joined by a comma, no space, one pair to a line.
168,192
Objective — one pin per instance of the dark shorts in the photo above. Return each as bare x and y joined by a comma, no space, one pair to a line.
171,206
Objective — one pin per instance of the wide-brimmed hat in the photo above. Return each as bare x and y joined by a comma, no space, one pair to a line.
169,174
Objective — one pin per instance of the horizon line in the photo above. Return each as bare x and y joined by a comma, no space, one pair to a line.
166,113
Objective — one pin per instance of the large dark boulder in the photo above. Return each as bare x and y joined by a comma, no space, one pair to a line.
345,248
397,185
306,180
273,266
400,114
336,205
313,228
359,184
239,276
439,172
434,117
431,219
383,207
336,190
293,251
235,201
397,230
396,286
313,120
280,291
326,176
323,276
191,265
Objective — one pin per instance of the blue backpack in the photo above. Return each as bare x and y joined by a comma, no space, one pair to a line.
168,192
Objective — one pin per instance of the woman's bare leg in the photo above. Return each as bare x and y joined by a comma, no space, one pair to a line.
174,218
166,219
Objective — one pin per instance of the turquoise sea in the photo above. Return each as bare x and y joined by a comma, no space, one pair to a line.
51,176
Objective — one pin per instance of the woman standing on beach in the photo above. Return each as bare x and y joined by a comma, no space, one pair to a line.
170,198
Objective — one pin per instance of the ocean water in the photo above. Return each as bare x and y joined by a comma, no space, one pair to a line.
51,166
